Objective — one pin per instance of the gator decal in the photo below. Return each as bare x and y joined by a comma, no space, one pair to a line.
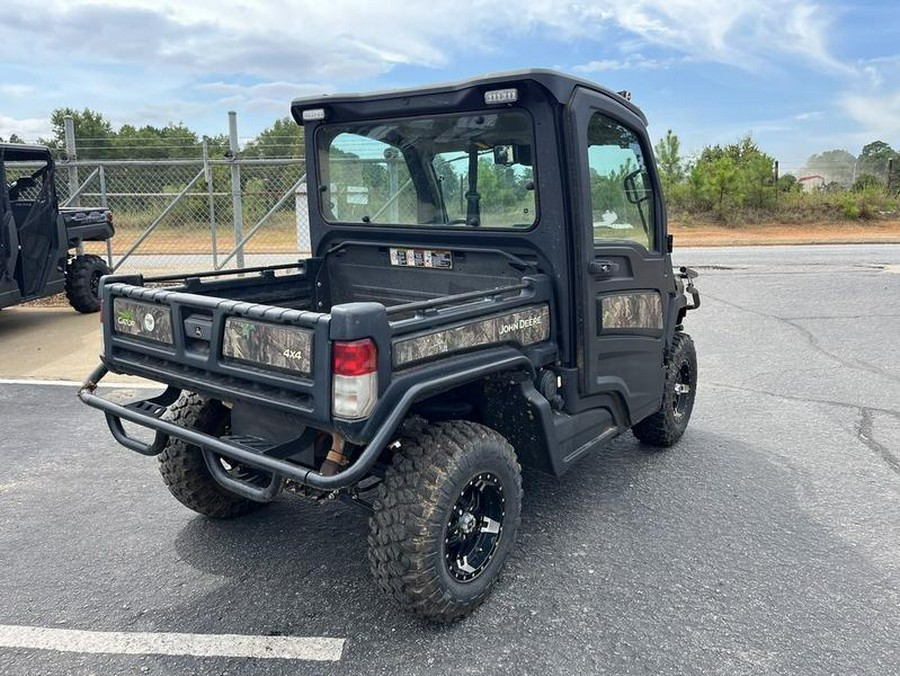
638,310
149,321
287,348
523,327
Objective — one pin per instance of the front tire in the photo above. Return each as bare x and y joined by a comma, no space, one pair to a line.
83,275
184,469
665,427
445,519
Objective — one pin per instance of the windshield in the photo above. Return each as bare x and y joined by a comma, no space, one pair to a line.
472,170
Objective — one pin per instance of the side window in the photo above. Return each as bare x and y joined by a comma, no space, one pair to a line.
621,191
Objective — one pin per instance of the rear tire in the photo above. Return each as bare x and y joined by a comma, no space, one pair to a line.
665,427
83,275
184,469
445,519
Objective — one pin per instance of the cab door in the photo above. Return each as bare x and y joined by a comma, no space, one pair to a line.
624,277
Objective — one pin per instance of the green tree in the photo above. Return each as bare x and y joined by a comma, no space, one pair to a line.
874,159
866,182
174,141
789,183
669,160
504,193
285,138
727,179
451,187
836,166
93,133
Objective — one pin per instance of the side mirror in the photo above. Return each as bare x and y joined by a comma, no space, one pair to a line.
505,155
510,154
25,182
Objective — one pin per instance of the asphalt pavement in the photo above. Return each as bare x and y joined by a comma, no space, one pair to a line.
766,542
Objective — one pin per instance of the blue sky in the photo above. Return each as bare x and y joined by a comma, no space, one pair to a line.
802,77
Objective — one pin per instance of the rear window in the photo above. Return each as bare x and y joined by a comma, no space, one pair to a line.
460,170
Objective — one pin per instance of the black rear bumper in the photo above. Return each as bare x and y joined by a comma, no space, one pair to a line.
257,453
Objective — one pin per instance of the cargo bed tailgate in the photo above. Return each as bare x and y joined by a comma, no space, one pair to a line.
230,350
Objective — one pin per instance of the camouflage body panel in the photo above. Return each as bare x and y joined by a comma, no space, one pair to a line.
288,348
522,327
148,321
636,310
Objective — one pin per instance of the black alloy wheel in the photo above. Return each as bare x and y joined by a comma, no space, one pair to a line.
475,527
665,427
445,518
682,390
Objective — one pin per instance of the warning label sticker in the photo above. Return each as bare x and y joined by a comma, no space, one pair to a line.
422,258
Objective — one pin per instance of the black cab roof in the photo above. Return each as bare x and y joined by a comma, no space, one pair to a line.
559,85
20,152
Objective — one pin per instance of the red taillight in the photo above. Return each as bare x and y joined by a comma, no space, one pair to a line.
355,358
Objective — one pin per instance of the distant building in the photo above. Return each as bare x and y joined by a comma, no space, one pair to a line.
811,183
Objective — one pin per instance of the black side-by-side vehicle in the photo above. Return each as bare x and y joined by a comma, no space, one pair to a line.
491,287
37,236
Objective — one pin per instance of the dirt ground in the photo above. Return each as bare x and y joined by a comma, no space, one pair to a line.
843,232
283,239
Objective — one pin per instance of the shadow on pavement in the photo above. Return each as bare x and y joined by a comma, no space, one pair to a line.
637,559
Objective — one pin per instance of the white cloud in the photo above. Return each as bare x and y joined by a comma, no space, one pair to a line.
16,90
630,62
286,91
745,34
878,115
345,40
880,70
872,102
273,96
28,129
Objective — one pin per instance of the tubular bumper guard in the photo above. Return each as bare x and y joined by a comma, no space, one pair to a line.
148,413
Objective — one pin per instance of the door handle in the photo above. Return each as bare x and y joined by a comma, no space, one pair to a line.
602,268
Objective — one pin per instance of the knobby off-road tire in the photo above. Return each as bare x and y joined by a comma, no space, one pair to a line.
667,425
182,465
83,275
450,486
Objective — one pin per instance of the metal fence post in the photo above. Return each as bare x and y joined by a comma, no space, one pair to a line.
211,198
105,204
71,158
776,181
236,200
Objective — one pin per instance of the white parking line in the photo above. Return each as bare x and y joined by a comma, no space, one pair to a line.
318,648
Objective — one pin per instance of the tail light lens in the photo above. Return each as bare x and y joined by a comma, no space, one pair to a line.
354,378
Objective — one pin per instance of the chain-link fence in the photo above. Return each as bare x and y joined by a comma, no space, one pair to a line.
187,215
